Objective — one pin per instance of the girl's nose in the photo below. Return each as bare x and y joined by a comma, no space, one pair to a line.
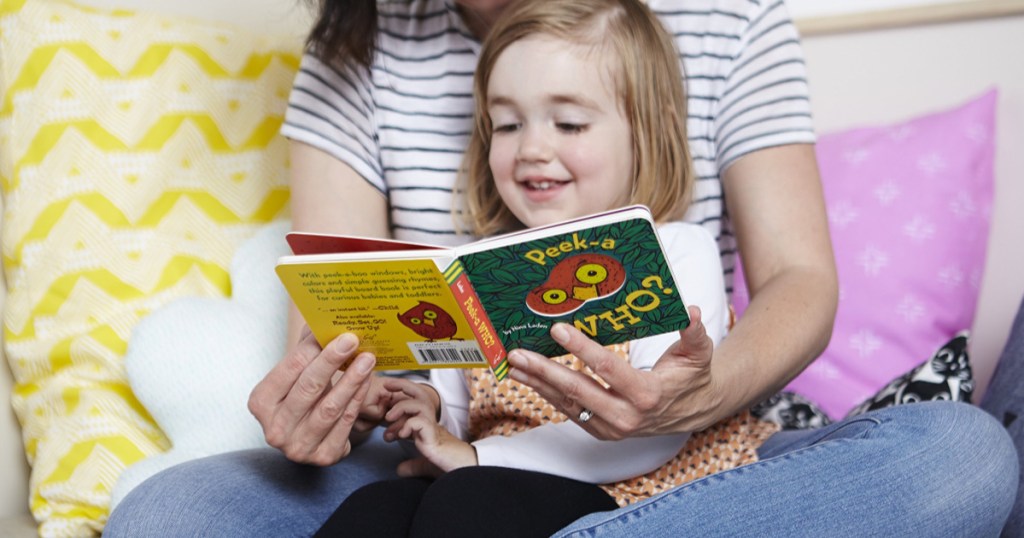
534,145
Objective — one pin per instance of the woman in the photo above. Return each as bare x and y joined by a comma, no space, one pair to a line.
379,118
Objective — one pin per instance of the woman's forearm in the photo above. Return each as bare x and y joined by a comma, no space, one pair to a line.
785,327
778,212
328,196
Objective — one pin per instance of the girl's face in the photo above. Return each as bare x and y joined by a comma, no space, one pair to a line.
561,145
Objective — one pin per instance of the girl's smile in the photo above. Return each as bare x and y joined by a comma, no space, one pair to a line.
541,189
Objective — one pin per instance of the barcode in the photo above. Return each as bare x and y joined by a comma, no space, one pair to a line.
435,353
450,356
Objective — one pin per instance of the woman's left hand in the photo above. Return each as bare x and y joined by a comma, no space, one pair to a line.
678,395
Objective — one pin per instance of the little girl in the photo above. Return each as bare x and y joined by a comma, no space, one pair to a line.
578,110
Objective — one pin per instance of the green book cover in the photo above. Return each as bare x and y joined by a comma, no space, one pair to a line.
610,280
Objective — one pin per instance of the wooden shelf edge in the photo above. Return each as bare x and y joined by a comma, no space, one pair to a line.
912,16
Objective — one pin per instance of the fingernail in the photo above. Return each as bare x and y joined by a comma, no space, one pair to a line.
518,375
560,333
517,359
346,343
364,363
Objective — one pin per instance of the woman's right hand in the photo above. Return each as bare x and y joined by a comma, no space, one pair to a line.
308,414
678,395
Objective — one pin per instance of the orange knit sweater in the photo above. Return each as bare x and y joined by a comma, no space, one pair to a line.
509,407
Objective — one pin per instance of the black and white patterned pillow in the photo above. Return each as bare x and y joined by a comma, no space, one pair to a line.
945,376
791,412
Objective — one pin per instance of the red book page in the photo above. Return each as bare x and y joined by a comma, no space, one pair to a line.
310,243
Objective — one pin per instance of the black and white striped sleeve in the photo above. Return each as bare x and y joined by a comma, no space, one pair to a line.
333,110
765,102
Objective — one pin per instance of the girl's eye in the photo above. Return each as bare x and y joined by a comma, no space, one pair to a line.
571,128
506,127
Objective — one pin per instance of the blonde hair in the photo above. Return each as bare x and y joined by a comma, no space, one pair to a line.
650,84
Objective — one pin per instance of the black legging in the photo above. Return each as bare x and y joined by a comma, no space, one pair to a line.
471,502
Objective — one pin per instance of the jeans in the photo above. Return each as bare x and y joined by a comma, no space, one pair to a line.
1005,400
932,469
927,469
249,493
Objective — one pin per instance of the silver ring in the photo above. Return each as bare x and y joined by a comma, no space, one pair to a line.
585,415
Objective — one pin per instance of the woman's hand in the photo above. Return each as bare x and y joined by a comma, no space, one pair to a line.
308,412
414,416
678,395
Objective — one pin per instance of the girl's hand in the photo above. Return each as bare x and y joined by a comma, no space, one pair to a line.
378,401
678,395
441,451
414,415
408,399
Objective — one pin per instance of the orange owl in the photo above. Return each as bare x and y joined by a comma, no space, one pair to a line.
429,321
574,281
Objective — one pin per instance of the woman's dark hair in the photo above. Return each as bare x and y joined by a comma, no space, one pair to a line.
345,31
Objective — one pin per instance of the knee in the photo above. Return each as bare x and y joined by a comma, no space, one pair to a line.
992,441
143,511
469,490
970,448
462,487
959,429
182,500
970,428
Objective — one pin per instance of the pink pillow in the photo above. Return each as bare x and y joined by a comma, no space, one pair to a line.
909,208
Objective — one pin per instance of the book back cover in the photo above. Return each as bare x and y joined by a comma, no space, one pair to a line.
402,310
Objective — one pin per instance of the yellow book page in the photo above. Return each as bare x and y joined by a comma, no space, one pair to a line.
402,311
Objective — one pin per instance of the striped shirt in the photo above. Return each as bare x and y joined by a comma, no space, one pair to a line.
403,124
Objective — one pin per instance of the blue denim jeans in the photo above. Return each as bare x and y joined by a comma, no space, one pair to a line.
1005,400
912,470
929,469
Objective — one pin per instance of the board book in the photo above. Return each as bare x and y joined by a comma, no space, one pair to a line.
421,306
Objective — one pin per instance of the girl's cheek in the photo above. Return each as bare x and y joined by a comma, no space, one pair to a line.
501,159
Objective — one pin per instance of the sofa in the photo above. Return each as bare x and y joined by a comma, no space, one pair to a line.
858,79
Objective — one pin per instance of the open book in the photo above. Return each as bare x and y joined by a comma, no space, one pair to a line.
421,306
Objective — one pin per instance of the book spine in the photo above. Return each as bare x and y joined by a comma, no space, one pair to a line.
486,336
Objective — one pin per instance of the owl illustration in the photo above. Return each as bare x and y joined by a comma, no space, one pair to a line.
574,281
429,321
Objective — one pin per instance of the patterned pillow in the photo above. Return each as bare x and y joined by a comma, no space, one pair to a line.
909,207
791,412
945,376
201,404
136,152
